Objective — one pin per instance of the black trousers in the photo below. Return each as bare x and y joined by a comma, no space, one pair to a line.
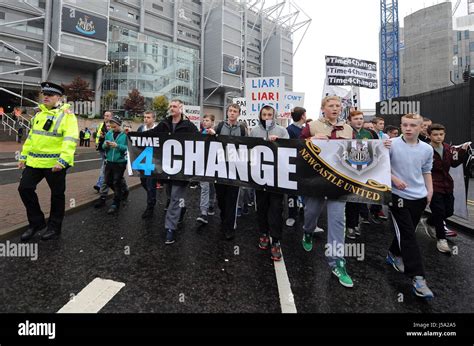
149,184
407,214
227,199
30,178
353,210
292,207
442,207
270,213
114,179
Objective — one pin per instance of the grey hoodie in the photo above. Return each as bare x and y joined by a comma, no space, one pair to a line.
229,130
273,130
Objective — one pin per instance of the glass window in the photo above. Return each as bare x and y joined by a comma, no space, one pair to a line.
471,46
455,49
459,36
466,34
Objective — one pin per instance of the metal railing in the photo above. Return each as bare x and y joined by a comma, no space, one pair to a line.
8,124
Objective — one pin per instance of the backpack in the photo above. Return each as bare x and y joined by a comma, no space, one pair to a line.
243,129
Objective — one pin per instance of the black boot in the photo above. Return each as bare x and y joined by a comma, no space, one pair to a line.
30,232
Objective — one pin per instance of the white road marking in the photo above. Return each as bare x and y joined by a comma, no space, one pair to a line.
287,301
93,297
16,163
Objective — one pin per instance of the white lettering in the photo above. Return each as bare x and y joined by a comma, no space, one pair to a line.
172,166
194,158
285,168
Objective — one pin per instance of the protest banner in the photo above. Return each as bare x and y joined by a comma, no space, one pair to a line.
193,113
250,120
292,100
353,170
264,91
350,71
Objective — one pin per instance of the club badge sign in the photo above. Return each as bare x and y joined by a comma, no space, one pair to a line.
77,22
346,170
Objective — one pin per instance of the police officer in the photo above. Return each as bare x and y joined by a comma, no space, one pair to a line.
47,153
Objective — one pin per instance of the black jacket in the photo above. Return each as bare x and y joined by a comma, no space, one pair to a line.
166,126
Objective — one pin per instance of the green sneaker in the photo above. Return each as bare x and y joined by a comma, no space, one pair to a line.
308,241
340,271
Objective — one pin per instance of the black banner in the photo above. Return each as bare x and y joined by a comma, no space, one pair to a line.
84,24
344,170
349,71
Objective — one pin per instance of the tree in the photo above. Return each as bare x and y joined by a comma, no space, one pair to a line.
108,100
78,90
134,103
160,105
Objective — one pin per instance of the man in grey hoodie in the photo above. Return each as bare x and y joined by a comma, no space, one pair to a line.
228,196
269,204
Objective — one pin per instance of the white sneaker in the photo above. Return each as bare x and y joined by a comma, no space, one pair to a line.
443,246
318,230
429,230
290,222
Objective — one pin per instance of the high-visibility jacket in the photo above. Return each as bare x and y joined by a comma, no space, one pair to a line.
100,129
46,148
87,135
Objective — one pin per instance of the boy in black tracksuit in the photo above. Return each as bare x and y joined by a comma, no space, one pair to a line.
175,123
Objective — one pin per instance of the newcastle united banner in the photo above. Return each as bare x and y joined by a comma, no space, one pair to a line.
350,170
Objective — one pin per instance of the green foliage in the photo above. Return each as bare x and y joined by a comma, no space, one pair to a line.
160,105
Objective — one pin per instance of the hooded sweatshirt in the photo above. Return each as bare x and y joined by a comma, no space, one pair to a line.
261,131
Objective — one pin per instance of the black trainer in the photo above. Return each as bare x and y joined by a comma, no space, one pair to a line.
113,209
169,237
50,234
211,211
203,219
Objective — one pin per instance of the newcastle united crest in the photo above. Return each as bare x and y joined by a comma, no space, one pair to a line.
358,156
